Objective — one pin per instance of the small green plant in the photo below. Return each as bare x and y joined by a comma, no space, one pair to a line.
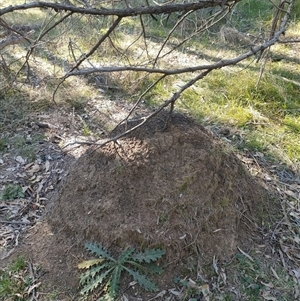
2,144
18,264
12,281
259,279
11,192
104,273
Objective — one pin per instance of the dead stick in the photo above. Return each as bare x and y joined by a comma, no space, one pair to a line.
15,222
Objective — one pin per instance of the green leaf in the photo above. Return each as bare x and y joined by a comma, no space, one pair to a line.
88,263
89,287
106,297
90,274
154,269
125,255
148,255
98,250
84,278
105,272
137,265
115,281
149,268
142,280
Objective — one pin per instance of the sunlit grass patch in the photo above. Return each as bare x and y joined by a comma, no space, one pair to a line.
267,112
288,70
292,123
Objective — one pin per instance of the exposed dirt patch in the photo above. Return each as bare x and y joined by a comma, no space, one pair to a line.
178,189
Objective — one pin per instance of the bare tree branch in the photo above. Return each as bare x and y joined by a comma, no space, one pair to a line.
13,40
142,53
206,69
217,65
126,12
103,38
207,24
140,99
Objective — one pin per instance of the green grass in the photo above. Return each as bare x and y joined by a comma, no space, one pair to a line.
11,192
248,277
13,281
296,11
267,115
259,280
20,145
255,9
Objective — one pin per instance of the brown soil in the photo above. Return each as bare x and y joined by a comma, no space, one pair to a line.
179,189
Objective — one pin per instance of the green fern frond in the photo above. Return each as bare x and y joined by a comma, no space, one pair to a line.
145,283
99,251
96,282
148,255
88,263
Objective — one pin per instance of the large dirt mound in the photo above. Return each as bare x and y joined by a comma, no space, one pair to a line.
173,189
178,189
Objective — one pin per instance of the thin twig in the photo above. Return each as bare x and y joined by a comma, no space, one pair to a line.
84,57
16,222
141,98
209,23
144,35
35,43
169,35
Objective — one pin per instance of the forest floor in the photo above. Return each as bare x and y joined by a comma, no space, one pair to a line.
228,221
220,193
